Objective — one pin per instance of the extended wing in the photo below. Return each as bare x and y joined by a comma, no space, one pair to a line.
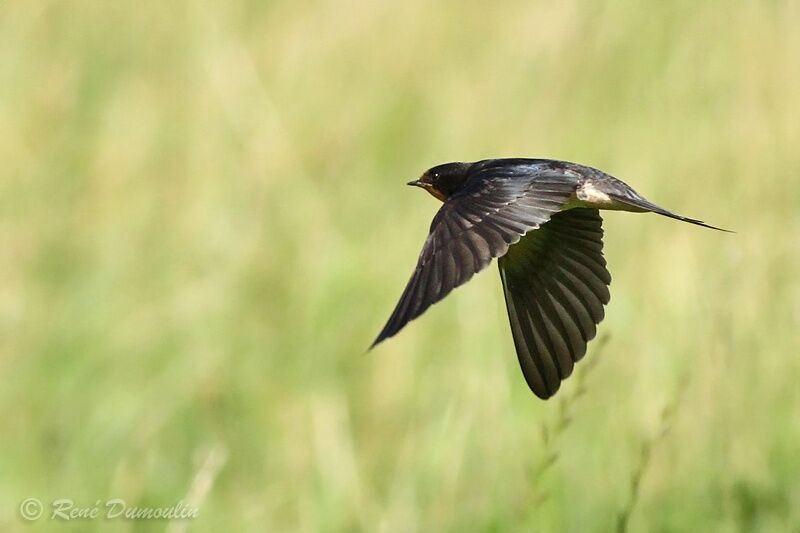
556,284
475,225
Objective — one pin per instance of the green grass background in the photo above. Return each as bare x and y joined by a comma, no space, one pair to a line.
204,223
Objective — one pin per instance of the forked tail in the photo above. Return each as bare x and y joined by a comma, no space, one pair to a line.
634,200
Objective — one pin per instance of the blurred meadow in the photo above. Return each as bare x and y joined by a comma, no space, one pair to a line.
204,223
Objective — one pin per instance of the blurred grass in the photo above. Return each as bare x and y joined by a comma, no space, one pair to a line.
204,224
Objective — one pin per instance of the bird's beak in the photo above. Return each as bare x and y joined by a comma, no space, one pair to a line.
416,183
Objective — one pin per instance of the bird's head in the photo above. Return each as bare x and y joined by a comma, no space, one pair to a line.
443,180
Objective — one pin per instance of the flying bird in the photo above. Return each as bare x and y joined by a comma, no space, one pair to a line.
540,218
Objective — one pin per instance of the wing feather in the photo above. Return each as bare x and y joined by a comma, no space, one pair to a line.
556,279
479,223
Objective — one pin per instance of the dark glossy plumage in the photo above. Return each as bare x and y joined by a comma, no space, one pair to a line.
556,284
540,217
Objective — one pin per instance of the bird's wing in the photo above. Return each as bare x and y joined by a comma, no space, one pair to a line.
556,284
474,226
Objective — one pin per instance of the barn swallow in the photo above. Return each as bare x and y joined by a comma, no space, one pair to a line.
540,218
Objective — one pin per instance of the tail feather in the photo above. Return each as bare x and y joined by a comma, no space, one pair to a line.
641,203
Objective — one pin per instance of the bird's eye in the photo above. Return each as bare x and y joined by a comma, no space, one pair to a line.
436,175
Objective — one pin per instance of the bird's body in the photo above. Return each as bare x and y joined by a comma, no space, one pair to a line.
541,219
